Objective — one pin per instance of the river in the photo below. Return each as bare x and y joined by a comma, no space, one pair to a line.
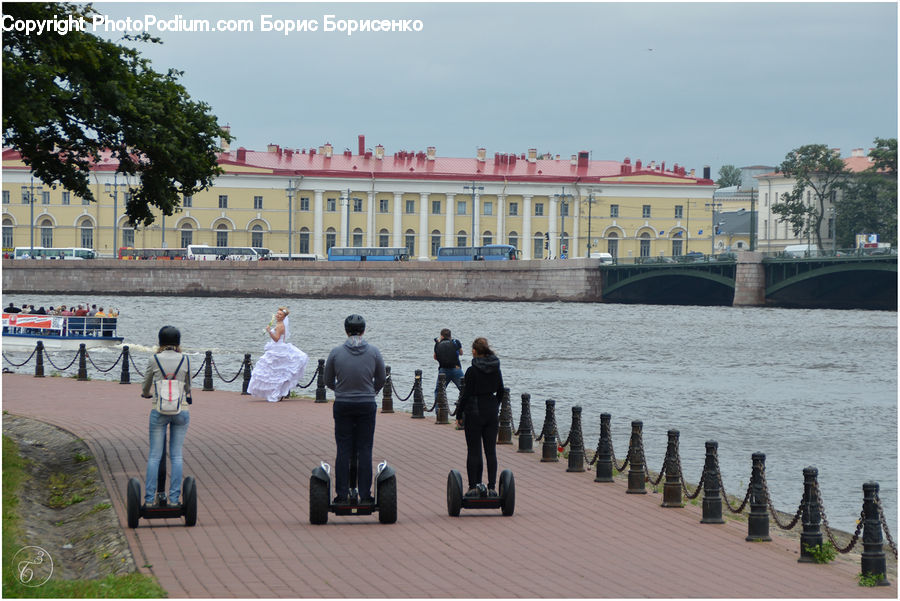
805,387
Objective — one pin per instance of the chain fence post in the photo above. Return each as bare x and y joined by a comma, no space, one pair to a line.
39,363
604,451
320,382
387,392
576,443
548,432
207,374
811,518
712,498
873,557
82,362
125,378
247,369
504,434
418,406
672,486
636,471
441,407
526,427
758,519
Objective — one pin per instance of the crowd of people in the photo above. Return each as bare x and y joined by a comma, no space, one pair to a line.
82,310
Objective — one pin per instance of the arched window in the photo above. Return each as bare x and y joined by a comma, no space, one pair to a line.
384,238
461,238
7,233
187,235
357,237
612,244
46,233
304,241
514,239
538,246
87,233
645,244
487,238
256,236
127,234
410,242
330,238
222,235
435,242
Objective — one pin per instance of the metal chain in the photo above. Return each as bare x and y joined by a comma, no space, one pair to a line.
227,381
71,363
859,523
612,455
887,533
24,362
134,365
662,472
397,394
772,512
596,455
199,369
725,495
684,487
103,371
313,379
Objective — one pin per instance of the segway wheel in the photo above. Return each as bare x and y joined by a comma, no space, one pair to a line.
189,498
507,492
387,501
318,501
133,498
454,493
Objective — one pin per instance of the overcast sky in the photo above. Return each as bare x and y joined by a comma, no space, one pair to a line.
689,83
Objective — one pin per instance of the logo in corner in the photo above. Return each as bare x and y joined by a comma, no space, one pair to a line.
33,566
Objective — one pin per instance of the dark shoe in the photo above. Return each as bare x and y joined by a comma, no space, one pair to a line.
367,501
492,492
152,504
339,500
472,492
161,499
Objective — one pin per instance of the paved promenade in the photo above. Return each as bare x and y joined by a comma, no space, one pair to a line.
569,537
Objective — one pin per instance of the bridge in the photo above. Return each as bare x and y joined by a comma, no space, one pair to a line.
838,281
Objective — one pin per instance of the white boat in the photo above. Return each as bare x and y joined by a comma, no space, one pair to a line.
21,331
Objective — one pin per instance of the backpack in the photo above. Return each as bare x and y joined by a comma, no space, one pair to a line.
169,391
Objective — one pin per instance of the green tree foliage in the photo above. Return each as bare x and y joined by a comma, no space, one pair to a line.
69,98
817,170
869,204
729,175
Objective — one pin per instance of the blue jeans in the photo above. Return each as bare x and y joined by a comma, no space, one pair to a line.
158,423
354,433
451,374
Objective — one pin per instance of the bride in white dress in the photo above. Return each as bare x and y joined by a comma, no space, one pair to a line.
282,364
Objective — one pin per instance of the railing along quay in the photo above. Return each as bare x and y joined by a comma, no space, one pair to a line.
871,526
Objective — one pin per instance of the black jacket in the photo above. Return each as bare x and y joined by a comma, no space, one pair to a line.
482,387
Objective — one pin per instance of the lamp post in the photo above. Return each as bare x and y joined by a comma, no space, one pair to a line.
564,203
473,188
115,196
712,233
590,204
29,190
347,199
291,190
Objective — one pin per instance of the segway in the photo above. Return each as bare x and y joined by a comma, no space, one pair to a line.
137,509
505,499
385,503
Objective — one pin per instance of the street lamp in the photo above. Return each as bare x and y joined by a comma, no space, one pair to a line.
712,234
346,199
29,191
590,202
115,196
291,190
473,188
564,203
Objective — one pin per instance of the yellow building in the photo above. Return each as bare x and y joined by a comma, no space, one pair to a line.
307,200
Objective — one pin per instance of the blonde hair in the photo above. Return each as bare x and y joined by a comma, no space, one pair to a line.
284,310
160,349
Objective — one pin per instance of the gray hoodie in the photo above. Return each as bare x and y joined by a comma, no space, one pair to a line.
355,371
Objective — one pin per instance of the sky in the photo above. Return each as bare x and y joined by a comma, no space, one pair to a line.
689,83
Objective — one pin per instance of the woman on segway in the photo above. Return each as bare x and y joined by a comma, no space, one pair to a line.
478,413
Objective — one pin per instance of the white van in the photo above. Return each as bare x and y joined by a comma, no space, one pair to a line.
801,250
604,257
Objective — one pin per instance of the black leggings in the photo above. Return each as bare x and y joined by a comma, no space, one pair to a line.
481,429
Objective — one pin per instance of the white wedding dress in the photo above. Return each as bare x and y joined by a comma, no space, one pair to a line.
278,370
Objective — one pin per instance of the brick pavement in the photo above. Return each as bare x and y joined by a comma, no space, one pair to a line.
570,537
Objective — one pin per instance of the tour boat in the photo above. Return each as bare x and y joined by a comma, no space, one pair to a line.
21,331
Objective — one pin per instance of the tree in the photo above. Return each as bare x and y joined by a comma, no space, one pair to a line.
818,170
729,175
869,205
67,99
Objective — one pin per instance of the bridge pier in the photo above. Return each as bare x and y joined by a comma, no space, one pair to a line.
749,280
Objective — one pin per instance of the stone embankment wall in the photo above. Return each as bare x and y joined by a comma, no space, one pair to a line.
575,280
750,280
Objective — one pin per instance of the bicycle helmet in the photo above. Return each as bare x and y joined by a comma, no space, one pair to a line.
355,325
169,336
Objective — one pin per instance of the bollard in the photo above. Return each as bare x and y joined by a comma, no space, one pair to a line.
758,519
126,374
526,428
637,475
504,434
207,374
548,434
82,362
441,408
672,486
604,451
811,535
39,363
873,556
576,443
387,392
418,406
712,499
247,370
320,382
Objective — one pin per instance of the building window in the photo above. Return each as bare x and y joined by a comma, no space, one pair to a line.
613,210
538,250
87,234
513,208
435,207
460,207
383,205
330,238
461,238
128,236
331,205
187,235
7,230
304,203
304,239
257,203
488,207
45,198
645,213
6,198
679,211
411,242
357,237
514,239
47,233
645,244
677,248
410,208
223,204
187,202
222,235
383,238
357,205
256,235
66,198
538,209
612,244
435,242
487,238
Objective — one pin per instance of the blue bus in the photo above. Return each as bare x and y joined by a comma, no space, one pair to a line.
368,253
489,252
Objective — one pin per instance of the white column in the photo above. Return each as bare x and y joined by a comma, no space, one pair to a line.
424,236
552,227
450,235
370,220
574,248
526,240
344,229
318,235
398,214
500,236
476,220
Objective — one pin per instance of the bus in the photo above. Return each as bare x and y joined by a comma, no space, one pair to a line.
489,252
202,252
368,253
295,257
264,253
128,253
39,252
